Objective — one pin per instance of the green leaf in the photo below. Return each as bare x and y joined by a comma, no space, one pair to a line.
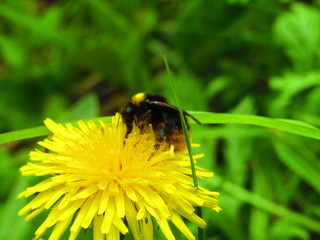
38,131
298,32
290,85
9,216
23,134
268,206
298,164
86,107
285,230
285,125
12,51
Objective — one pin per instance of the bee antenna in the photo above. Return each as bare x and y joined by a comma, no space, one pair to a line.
191,116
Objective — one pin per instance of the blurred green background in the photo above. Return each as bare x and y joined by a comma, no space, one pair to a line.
70,60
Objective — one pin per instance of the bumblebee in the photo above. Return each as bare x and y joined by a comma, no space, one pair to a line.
145,109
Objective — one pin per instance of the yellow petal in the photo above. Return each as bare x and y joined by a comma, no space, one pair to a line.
179,223
164,226
59,229
131,216
103,202
71,209
131,194
108,217
34,213
41,230
81,215
94,206
85,193
97,223
146,228
120,206
113,234
153,199
118,223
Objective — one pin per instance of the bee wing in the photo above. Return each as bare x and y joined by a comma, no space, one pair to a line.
173,107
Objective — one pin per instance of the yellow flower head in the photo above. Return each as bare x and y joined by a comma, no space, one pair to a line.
101,178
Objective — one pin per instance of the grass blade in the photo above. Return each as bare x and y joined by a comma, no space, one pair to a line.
188,142
285,125
37,131
273,208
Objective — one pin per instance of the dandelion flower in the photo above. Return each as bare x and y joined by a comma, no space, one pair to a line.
101,178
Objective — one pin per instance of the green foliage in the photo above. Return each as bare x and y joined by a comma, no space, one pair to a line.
292,30
241,59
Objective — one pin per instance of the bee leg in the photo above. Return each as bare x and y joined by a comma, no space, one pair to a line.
146,118
129,127
161,134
